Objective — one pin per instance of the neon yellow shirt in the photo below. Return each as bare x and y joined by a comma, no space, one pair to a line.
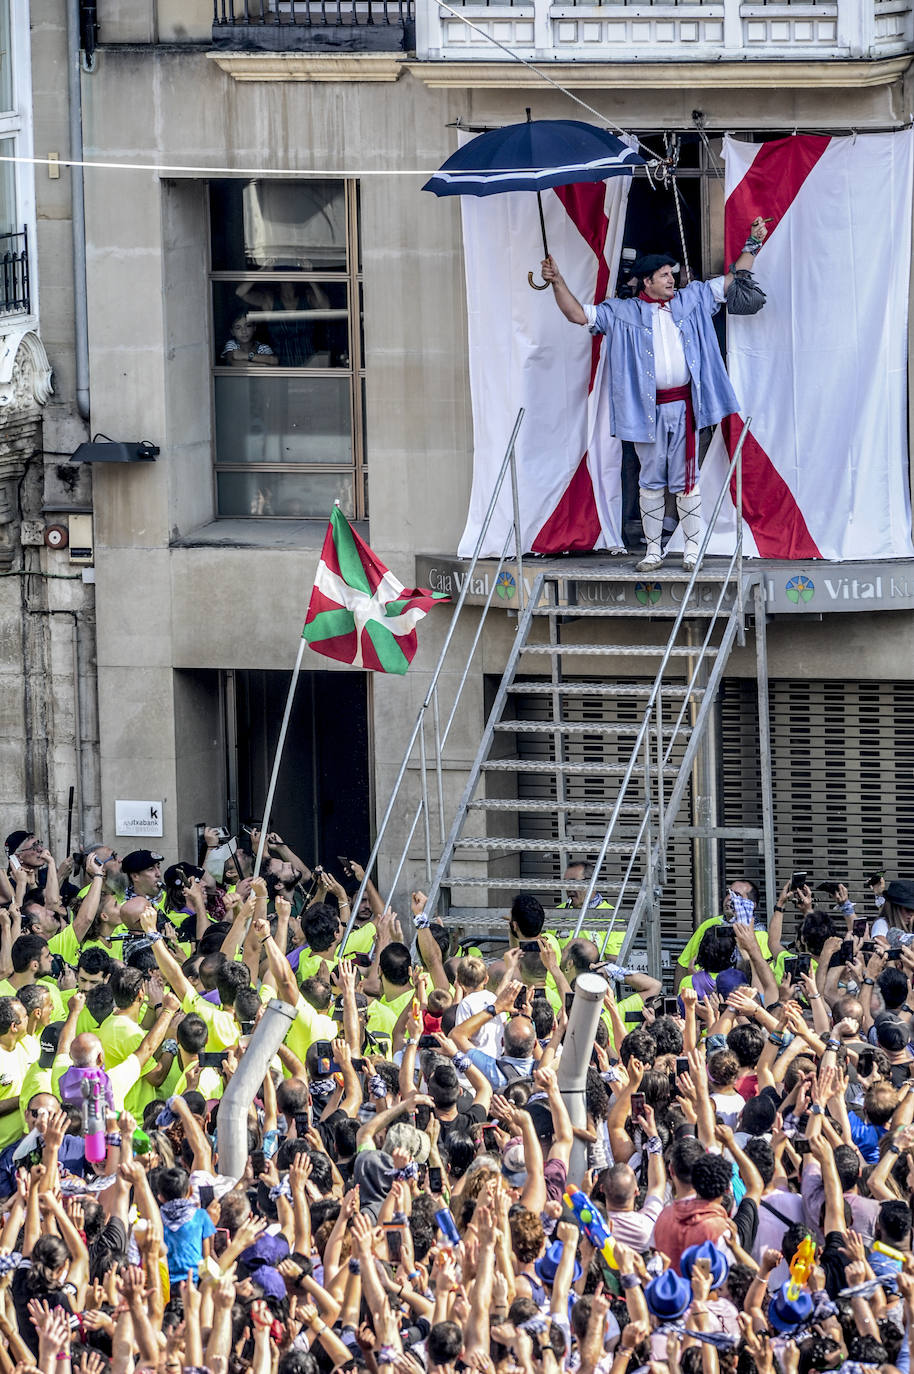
361,940
687,956
68,947
224,1031
13,1066
309,1025
210,1083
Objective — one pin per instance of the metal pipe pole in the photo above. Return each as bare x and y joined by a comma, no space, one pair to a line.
589,991
518,538
77,212
269,1033
764,738
278,758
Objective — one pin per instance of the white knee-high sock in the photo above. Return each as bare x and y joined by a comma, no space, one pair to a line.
689,506
652,507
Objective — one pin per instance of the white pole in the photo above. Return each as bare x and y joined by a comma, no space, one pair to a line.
277,758
589,991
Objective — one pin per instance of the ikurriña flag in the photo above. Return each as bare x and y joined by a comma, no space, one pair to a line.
359,613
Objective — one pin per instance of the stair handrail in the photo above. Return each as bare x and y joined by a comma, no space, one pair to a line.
430,701
735,466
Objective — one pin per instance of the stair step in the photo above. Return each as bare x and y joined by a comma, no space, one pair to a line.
509,845
597,689
623,650
536,807
626,730
516,884
612,770
668,611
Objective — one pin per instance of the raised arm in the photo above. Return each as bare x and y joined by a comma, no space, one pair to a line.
757,235
569,304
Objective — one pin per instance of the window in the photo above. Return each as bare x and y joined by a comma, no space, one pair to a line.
288,380
17,193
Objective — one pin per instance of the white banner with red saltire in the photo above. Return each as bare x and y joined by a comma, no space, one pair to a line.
523,352
822,369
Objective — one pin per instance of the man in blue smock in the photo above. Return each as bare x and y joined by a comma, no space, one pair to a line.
666,380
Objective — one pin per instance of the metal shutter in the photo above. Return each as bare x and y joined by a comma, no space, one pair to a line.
843,778
676,904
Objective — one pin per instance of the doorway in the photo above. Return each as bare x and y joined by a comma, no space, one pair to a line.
322,805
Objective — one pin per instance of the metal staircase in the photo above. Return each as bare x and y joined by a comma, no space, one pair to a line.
608,791
636,814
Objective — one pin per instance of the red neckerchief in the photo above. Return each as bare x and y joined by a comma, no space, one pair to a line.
643,296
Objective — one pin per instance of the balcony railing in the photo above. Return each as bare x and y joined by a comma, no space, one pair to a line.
670,30
15,297
301,25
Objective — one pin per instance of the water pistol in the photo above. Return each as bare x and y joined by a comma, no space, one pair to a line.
592,1225
801,1266
94,1106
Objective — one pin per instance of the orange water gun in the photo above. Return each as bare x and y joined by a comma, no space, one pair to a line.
801,1266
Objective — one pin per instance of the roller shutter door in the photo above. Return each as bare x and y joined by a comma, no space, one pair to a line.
843,778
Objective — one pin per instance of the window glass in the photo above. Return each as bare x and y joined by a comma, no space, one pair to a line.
295,496
303,323
6,60
283,419
285,226
8,217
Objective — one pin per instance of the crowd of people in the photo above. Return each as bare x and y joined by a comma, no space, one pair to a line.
735,1197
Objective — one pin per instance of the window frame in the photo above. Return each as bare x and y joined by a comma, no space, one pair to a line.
352,278
16,124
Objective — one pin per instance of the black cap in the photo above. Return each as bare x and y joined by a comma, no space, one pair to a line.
901,892
180,870
139,859
651,263
15,840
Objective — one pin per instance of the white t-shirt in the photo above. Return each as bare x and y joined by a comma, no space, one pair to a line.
489,1038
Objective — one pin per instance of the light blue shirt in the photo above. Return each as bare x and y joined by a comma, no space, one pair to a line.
490,1067
628,327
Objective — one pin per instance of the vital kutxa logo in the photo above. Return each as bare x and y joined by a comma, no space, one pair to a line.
506,587
800,588
648,593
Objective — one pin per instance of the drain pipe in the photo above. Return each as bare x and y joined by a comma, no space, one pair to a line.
78,211
269,1033
581,1032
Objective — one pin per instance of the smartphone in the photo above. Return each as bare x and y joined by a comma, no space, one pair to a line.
868,947
858,929
638,1105
569,1002
634,1018
302,1124
345,865
801,1145
211,1059
394,1243
428,1042
894,955
489,1141
847,950
671,1006
323,1050
530,946
15,865
682,1065
804,963
798,880
539,994
435,1178
830,888
874,879
802,1123
520,1000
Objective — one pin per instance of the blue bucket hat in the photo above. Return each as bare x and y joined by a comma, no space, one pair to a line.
720,1265
547,1267
668,1296
785,1312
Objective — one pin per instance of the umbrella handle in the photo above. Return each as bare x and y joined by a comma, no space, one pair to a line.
536,285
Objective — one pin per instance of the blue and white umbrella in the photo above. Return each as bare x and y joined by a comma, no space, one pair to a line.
534,156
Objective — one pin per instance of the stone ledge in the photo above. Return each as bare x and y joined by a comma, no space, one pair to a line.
310,66
746,74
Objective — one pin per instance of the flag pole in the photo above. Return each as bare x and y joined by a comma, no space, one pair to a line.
278,756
